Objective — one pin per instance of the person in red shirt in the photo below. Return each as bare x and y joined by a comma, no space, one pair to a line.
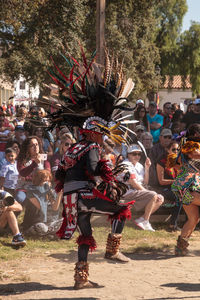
29,160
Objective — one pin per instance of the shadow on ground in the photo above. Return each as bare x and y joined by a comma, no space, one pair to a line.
21,288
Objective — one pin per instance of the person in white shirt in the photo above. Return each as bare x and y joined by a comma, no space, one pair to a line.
137,177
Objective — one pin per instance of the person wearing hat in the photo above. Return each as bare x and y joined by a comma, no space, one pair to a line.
139,102
139,129
137,177
19,134
192,116
155,120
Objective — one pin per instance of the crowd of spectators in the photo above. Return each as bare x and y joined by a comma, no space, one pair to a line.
29,158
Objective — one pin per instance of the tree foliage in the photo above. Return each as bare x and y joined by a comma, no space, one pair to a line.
189,56
142,33
170,14
33,31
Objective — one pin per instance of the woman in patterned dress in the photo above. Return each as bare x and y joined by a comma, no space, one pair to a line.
187,187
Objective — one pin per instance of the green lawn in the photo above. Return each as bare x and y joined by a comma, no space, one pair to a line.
134,241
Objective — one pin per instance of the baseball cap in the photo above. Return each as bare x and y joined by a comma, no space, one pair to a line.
166,132
197,101
152,103
19,127
139,101
139,127
133,147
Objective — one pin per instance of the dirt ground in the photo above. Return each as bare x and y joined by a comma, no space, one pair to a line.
148,276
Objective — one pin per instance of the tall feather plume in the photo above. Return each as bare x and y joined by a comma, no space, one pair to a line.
107,68
91,89
128,87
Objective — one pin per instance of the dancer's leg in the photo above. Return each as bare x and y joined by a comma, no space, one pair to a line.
192,212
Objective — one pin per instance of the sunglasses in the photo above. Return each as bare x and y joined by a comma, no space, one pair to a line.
136,153
140,130
174,149
67,144
167,137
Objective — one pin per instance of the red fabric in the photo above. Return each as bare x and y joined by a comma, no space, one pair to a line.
87,240
3,146
125,212
59,186
27,171
105,171
98,194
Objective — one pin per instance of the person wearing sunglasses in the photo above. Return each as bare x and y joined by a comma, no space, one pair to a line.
166,177
65,142
157,151
137,178
167,115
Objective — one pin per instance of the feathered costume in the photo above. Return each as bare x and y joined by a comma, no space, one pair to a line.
92,98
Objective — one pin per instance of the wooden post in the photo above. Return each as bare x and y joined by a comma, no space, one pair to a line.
100,30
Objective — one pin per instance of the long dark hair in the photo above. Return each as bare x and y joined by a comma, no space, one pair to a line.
24,153
137,114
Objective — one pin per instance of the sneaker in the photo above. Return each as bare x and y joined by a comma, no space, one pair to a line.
18,240
147,226
139,222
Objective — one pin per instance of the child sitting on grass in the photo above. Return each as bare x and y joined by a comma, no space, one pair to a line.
36,205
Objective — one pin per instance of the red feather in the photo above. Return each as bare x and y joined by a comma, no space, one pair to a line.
61,73
57,81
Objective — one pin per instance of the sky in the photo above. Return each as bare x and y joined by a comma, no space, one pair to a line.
193,14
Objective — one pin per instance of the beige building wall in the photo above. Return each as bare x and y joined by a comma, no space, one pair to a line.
6,91
174,96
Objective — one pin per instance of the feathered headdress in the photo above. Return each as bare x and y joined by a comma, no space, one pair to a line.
92,96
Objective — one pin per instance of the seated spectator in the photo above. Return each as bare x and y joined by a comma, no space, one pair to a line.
192,116
30,159
6,124
19,134
9,173
14,145
147,141
66,141
59,134
167,115
158,151
8,207
5,134
41,112
166,177
137,179
174,108
139,103
177,116
39,132
36,206
20,117
155,120
141,116
190,107
176,130
109,155
139,130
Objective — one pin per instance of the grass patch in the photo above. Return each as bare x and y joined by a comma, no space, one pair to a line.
133,241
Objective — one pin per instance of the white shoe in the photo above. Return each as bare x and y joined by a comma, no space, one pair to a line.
147,226
139,222
144,225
